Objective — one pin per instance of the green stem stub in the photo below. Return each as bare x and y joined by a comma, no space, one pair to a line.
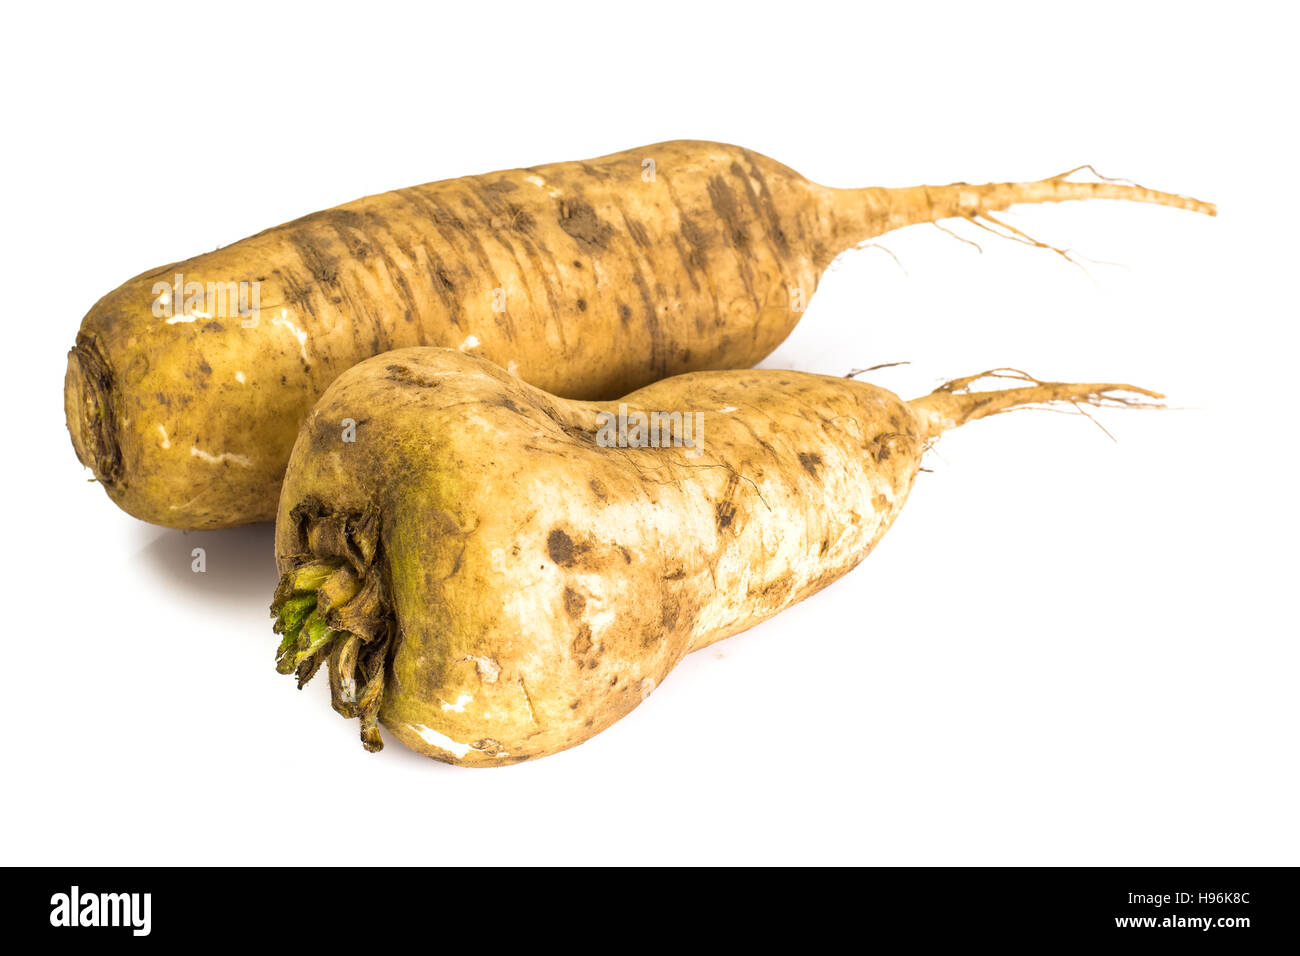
330,610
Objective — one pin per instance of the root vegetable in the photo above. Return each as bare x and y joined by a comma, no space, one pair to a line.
494,574
588,279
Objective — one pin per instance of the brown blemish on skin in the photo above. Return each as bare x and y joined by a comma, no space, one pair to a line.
880,503
204,367
561,548
810,460
582,643
406,376
724,512
669,613
781,585
573,602
580,221
598,488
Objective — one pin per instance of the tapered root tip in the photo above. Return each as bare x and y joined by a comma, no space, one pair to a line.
954,403
1061,187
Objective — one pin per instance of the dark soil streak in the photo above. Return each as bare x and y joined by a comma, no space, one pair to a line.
700,241
378,248
767,206
449,227
733,232
658,358
536,269
322,267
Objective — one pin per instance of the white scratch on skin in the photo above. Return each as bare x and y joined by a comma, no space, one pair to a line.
488,669
540,183
729,408
299,334
441,741
512,367
459,706
471,342
197,452
166,442
239,377
647,686
188,317
528,702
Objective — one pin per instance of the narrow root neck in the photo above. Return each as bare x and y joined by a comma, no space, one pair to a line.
331,609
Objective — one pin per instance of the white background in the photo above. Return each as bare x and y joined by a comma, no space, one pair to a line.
1069,650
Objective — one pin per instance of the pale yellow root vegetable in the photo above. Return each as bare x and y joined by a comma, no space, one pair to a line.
588,279
494,574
